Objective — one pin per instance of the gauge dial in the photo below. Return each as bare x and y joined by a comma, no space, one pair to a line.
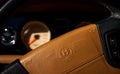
35,34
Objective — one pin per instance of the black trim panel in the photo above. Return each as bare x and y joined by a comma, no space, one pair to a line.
110,27
14,68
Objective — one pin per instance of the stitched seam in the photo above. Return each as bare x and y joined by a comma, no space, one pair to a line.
87,61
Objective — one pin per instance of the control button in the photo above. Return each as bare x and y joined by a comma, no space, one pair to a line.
116,53
113,42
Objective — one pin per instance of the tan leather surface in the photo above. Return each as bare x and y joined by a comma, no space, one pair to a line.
77,52
6,59
97,66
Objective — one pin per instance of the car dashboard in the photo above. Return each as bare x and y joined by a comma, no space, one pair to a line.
55,18
33,27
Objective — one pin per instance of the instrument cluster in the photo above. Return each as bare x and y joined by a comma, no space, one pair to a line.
35,25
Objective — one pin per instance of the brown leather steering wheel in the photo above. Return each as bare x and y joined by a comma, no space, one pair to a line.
77,52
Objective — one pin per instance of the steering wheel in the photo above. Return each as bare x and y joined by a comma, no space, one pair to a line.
92,48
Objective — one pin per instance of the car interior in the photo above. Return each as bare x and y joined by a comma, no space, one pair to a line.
59,37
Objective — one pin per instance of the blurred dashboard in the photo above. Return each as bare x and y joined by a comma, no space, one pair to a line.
36,23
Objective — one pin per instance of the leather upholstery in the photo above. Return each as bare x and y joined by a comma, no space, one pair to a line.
77,52
7,59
